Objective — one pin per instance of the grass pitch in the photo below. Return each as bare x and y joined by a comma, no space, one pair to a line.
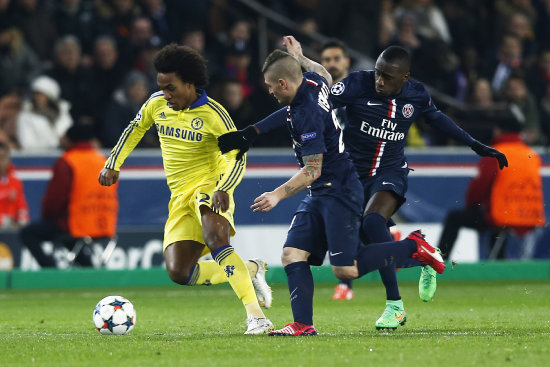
468,324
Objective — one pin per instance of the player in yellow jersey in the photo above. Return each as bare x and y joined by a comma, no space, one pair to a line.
200,178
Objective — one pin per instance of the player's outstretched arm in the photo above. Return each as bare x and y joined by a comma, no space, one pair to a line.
444,124
240,139
487,151
108,177
243,139
295,49
300,181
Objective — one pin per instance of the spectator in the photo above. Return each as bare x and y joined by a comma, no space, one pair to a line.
235,41
79,18
520,26
482,95
44,118
467,74
497,199
506,8
429,19
538,76
239,108
107,72
236,65
406,34
516,93
122,109
14,211
196,39
10,106
478,117
75,204
141,37
144,64
73,78
37,25
118,15
164,18
509,59
18,63
387,23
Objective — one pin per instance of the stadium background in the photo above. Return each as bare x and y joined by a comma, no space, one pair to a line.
243,31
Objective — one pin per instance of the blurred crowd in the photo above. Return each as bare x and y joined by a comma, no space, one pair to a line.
66,62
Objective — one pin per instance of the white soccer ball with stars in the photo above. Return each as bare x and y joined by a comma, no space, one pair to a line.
114,315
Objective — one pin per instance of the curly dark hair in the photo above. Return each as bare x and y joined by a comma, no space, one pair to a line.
187,63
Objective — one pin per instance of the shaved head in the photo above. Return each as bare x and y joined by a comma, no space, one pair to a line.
281,65
283,76
397,57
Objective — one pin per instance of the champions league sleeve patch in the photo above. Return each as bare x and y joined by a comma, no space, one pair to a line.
337,89
308,136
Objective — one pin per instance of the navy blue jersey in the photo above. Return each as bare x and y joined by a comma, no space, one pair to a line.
314,130
377,127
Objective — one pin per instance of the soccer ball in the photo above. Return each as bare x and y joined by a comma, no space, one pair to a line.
114,315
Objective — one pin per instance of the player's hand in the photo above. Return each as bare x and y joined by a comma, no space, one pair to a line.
108,177
220,201
240,139
265,202
487,151
292,46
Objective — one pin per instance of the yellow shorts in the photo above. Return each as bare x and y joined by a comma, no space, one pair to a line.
184,216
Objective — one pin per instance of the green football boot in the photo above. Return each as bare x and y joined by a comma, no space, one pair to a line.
427,284
393,316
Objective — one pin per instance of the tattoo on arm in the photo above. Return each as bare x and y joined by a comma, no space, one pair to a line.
290,191
309,173
312,165
310,65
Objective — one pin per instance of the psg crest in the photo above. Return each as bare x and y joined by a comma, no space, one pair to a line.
408,110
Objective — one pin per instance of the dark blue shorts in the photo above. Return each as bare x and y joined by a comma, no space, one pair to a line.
395,181
326,223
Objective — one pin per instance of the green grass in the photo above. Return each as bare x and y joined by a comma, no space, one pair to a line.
493,323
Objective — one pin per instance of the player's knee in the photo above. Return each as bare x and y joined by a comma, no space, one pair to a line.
290,256
179,275
214,239
345,272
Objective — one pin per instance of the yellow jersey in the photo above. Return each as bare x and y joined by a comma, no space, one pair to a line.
188,141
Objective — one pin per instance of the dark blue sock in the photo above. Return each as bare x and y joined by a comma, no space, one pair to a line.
375,229
300,286
347,282
378,255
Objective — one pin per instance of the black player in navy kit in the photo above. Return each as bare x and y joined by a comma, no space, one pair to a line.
381,105
328,219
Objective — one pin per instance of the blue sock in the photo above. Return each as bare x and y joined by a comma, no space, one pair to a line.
347,282
375,229
300,286
379,255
